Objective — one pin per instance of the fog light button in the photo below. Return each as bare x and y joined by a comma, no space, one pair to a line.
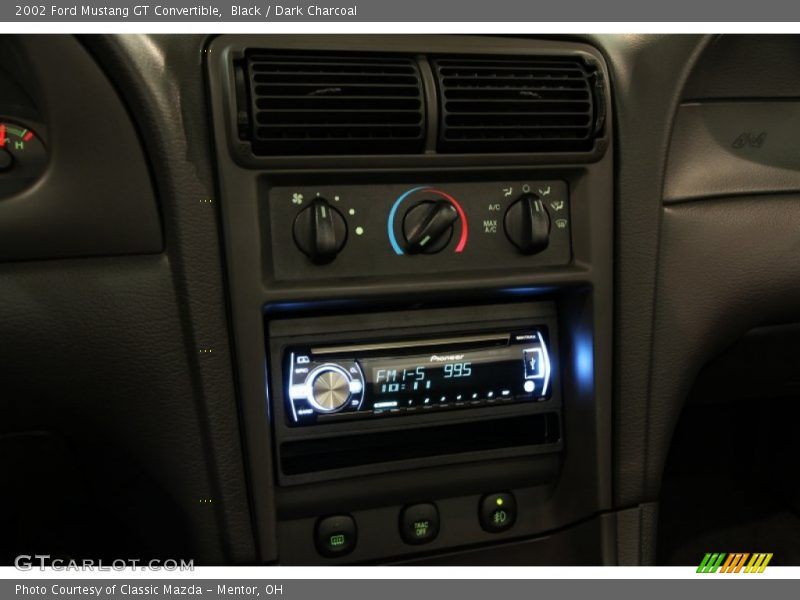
497,512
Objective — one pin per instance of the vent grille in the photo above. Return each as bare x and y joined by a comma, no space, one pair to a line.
302,104
516,104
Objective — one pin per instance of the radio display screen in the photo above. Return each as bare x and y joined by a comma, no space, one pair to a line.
443,378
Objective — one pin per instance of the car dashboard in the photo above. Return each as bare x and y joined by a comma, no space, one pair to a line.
392,299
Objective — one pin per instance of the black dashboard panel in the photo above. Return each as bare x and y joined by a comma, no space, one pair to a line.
167,322
105,386
751,143
93,195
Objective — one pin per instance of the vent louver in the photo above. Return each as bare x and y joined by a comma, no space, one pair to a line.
528,104
304,104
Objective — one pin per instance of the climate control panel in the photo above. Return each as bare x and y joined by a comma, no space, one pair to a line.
393,229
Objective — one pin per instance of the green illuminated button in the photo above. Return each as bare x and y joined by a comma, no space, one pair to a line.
497,512
419,523
335,536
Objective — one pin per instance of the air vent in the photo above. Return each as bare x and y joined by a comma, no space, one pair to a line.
303,104
498,104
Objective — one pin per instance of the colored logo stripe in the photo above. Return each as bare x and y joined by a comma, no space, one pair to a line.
733,563
758,563
710,563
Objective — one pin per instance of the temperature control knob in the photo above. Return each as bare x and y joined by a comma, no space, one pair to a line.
329,388
320,231
527,224
428,226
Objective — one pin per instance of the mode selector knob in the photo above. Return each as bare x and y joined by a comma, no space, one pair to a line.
320,231
428,226
527,224
329,388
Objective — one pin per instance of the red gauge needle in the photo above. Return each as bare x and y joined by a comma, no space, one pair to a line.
2,134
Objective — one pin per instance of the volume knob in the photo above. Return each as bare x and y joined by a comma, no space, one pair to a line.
329,387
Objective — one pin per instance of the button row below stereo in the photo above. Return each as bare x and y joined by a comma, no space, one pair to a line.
456,404
420,409
337,535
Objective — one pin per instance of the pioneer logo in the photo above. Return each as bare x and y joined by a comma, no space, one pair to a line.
445,357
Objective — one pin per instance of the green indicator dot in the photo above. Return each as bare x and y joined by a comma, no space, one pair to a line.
499,502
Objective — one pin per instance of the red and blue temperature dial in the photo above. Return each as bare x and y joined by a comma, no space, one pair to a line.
430,220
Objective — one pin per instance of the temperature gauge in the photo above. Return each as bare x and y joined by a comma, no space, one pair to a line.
23,156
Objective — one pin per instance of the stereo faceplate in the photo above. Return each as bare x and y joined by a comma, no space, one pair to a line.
407,377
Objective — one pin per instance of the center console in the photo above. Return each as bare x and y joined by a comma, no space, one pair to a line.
472,378
419,241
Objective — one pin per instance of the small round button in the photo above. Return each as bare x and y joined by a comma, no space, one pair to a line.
419,523
336,535
330,388
497,512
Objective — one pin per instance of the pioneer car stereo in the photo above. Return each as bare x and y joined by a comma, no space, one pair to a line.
409,376
368,391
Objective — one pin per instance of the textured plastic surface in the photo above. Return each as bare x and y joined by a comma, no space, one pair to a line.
732,148
96,196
